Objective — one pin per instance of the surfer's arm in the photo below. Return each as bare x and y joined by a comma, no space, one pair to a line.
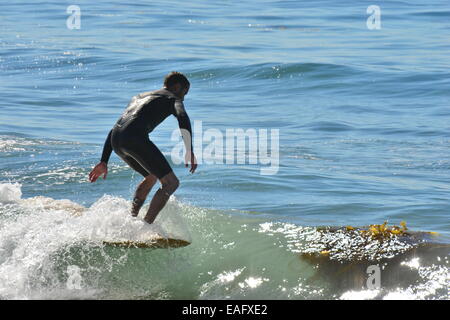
107,149
184,123
186,132
102,167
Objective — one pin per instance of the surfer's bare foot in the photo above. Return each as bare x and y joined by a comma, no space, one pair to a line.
148,221
136,206
141,193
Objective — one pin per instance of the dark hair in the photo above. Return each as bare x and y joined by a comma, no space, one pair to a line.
176,77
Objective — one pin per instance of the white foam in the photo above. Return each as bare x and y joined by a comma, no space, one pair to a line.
10,192
40,226
360,295
14,144
110,220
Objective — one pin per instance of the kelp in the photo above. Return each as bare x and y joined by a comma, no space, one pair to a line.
370,243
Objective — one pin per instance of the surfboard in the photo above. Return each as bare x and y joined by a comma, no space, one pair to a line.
154,243
134,236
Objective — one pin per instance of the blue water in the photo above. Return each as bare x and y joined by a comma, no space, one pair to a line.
364,134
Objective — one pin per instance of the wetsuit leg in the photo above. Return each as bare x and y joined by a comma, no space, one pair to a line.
149,157
140,153
135,165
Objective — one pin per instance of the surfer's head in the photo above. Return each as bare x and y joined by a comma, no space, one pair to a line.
177,83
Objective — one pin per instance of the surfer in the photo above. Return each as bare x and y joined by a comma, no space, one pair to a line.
129,140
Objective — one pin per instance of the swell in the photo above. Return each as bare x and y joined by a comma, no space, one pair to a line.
52,249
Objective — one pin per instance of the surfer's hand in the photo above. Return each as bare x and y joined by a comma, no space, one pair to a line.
100,169
190,158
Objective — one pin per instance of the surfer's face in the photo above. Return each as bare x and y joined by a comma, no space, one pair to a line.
179,90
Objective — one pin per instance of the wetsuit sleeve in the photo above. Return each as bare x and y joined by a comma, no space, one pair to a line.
107,149
183,119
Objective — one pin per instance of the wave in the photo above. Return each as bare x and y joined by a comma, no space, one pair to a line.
432,14
264,71
53,249
39,232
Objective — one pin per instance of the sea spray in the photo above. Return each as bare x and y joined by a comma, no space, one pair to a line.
49,248
10,192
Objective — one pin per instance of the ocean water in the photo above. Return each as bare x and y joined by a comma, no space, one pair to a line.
363,117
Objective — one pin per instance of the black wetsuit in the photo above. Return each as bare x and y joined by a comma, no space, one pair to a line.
129,136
